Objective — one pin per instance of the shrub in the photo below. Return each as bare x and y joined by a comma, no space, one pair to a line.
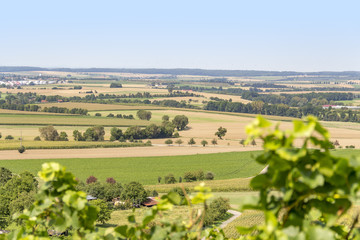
97,114
115,85
111,180
199,175
37,138
180,191
216,211
63,136
191,141
91,179
169,141
154,193
110,115
179,142
21,149
123,205
221,132
96,189
209,176
189,177
176,135
9,137
214,142
204,143
134,192
170,179
148,142
0,135
104,213
165,118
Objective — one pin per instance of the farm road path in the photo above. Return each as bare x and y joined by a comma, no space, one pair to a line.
117,152
235,214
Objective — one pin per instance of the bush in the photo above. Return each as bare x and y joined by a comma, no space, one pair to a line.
115,85
191,141
179,142
97,114
37,138
21,149
217,210
110,115
111,180
123,205
180,191
169,141
189,177
204,143
170,179
9,137
91,179
134,192
209,176
104,213
199,175
63,136
154,193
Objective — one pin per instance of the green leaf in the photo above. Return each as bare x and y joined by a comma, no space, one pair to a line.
319,233
174,198
259,182
122,230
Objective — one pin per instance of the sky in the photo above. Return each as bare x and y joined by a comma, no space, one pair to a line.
289,35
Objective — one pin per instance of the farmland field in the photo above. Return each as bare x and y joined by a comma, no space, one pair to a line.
38,119
14,145
147,169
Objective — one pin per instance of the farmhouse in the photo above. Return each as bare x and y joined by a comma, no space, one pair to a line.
150,201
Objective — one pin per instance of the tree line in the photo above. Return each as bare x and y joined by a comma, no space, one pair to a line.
259,107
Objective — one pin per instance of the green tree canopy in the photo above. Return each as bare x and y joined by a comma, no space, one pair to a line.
180,122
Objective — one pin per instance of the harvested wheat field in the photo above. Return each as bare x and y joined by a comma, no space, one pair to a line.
116,152
98,106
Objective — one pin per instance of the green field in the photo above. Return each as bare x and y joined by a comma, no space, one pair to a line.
225,166
147,169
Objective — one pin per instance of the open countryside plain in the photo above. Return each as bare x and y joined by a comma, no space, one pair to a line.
232,164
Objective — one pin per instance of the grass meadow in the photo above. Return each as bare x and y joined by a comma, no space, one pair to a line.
146,170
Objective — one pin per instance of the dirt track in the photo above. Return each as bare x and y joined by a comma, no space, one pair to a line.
118,152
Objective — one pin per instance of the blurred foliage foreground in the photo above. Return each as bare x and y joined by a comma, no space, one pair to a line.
302,196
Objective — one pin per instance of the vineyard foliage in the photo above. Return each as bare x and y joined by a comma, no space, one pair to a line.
303,195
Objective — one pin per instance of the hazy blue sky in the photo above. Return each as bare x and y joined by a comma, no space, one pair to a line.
256,35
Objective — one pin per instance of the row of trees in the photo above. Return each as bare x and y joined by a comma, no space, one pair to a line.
190,176
97,133
259,107
298,100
